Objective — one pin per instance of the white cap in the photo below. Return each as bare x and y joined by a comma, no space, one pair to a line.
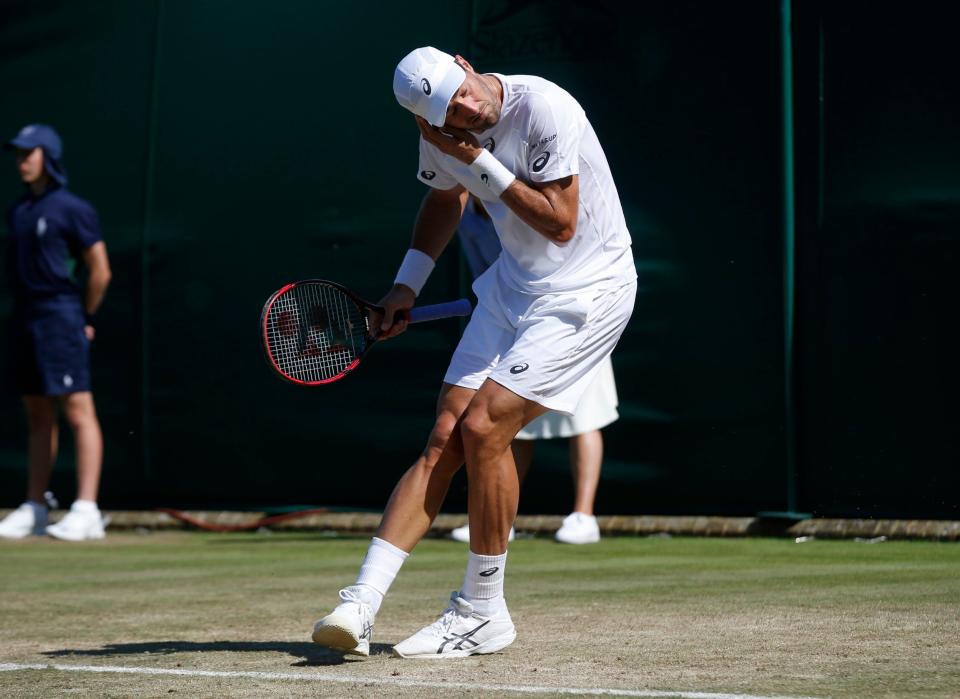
425,81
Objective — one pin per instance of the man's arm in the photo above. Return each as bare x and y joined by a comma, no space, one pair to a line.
98,265
549,208
435,226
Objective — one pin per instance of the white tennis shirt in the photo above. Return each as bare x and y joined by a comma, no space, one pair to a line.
544,135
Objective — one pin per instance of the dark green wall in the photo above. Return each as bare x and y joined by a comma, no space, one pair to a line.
233,147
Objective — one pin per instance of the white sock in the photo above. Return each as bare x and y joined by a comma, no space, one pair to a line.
483,583
378,570
85,506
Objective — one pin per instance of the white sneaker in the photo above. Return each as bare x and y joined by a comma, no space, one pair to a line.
348,627
578,528
463,534
82,522
459,632
28,519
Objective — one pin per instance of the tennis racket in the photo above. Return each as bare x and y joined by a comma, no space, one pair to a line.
315,331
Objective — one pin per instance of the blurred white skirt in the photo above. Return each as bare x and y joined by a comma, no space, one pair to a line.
596,409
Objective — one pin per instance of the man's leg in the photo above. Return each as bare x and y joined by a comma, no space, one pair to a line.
412,507
42,442
82,416
523,457
491,421
31,517
477,620
84,520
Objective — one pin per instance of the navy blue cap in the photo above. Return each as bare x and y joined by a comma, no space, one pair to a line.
46,137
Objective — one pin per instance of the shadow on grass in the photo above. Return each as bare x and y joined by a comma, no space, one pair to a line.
310,653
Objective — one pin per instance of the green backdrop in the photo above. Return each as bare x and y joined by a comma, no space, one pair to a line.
232,147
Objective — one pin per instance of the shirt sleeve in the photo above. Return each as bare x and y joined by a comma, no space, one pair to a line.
553,139
431,173
85,228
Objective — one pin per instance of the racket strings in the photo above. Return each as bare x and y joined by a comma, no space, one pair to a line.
315,332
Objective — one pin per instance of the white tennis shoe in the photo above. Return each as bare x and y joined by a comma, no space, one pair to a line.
578,528
82,522
463,534
459,632
349,627
27,520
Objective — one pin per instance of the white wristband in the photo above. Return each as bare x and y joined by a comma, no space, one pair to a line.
494,173
414,270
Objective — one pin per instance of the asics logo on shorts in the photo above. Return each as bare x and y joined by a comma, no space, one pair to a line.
427,174
519,368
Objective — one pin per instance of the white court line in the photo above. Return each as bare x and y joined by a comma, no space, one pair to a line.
395,682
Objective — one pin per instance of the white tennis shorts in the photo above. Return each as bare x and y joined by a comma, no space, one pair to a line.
545,348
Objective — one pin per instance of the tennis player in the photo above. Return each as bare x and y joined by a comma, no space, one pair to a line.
551,310
51,230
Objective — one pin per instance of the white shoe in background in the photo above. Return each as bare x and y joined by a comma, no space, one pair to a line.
578,528
82,522
463,534
30,519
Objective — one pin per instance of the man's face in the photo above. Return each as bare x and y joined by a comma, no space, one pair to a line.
475,106
30,164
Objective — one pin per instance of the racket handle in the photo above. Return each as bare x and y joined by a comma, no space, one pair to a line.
437,311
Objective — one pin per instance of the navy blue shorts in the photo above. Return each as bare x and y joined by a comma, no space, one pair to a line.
50,354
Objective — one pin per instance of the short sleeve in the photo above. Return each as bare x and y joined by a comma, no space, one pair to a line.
431,173
553,139
85,226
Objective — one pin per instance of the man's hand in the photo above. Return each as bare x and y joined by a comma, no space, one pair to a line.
457,143
89,331
400,297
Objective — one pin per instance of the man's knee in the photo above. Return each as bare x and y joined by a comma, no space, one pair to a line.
79,410
443,438
477,427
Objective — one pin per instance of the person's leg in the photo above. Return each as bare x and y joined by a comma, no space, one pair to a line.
522,456
42,442
84,520
586,457
420,493
412,507
477,620
81,414
490,423
31,517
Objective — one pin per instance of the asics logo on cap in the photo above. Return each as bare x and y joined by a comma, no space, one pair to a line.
519,368
427,174
27,130
541,162
425,84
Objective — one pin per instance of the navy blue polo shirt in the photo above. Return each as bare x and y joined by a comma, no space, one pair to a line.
47,236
